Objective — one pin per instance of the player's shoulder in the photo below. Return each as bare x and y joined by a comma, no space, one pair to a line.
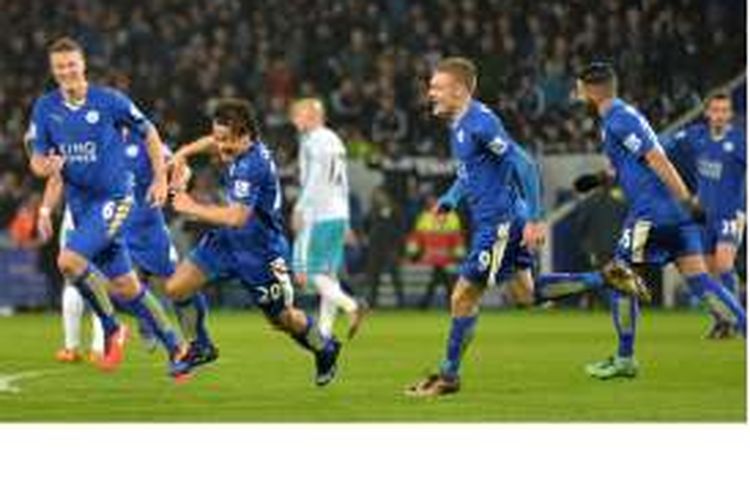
623,115
479,114
255,161
47,99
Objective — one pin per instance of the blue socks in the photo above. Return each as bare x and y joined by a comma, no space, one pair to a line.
93,288
151,315
720,301
461,335
192,314
730,282
553,286
310,339
625,313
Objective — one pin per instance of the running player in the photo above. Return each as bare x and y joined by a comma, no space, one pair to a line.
321,215
501,184
713,152
75,132
249,243
661,226
73,305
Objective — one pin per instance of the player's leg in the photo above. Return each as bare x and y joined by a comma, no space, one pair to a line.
92,286
333,297
327,312
723,267
271,288
73,309
138,300
635,247
97,340
719,301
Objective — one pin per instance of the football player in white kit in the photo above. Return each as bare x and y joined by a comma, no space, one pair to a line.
73,305
321,215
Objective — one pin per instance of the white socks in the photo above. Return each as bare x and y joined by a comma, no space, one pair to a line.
332,297
73,308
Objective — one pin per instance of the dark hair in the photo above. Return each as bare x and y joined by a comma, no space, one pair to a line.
597,73
461,68
64,44
238,115
718,95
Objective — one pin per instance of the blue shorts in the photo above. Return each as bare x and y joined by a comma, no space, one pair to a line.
320,249
642,242
496,253
149,243
728,230
267,280
97,235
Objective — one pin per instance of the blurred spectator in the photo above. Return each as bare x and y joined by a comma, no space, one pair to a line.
437,241
385,239
22,229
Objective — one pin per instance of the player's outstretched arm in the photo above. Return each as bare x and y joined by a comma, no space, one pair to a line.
180,170
232,215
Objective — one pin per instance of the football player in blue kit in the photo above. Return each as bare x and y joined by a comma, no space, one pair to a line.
713,154
501,185
148,240
249,242
76,133
663,220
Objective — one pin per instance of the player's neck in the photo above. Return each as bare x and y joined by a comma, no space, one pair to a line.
76,95
718,132
461,111
604,105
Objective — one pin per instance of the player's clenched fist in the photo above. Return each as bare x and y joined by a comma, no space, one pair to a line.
183,202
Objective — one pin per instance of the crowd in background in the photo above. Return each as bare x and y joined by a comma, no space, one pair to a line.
369,61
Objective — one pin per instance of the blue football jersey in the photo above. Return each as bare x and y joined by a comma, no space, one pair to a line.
488,161
627,138
89,137
718,165
139,163
252,180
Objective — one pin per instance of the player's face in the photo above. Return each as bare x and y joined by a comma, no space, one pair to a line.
228,143
446,94
68,68
583,94
719,113
301,119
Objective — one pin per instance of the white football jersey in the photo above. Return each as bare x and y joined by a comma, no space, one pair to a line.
66,226
323,177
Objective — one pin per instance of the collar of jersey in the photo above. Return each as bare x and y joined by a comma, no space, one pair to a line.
460,117
616,103
71,106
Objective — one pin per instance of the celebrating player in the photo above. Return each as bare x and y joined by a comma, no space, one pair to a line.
75,132
661,224
713,151
249,243
321,216
502,187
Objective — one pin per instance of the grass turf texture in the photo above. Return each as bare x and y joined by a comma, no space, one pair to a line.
524,366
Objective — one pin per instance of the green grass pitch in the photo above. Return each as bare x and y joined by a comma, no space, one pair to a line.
524,366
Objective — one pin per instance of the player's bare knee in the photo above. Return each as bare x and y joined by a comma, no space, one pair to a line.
125,287
173,290
69,265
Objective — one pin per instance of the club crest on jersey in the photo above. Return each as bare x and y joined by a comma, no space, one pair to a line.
728,146
241,189
131,151
92,117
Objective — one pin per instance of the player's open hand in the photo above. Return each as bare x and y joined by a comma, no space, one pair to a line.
54,164
157,192
534,235
182,202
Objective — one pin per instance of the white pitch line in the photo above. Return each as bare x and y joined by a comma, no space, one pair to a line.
8,380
